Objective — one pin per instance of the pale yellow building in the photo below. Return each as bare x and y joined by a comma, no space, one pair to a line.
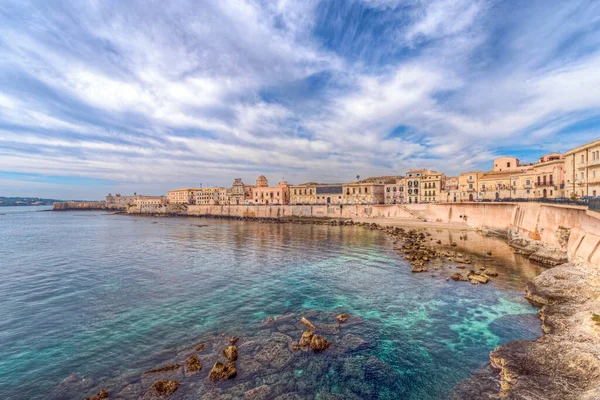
582,170
468,184
432,184
451,191
182,196
207,196
363,193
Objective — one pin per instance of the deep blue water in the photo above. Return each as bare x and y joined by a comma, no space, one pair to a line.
102,295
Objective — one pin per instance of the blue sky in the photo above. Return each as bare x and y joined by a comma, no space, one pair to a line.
145,96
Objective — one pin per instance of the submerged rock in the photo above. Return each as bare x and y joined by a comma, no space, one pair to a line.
221,372
259,393
233,339
200,347
231,353
164,369
161,390
101,395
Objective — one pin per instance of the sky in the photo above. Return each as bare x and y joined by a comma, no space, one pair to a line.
101,96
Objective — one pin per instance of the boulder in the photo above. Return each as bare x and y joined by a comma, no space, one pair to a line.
319,343
231,353
342,318
221,372
233,339
192,365
490,272
101,395
308,324
458,277
307,335
419,268
478,278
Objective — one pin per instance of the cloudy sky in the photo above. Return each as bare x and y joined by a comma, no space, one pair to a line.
102,96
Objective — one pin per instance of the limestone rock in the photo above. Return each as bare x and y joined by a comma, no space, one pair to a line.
419,268
200,347
231,353
233,339
308,324
342,318
319,343
477,278
306,338
101,395
458,277
221,372
192,365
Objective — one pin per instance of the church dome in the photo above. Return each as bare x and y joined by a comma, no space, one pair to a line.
261,181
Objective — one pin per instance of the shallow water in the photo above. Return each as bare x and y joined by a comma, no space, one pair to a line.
105,296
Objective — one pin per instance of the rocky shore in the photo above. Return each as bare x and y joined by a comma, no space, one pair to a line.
286,357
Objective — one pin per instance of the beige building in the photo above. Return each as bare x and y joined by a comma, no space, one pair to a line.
394,192
118,201
265,194
207,196
182,196
468,184
363,193
413,185
432,185
451,191
582,170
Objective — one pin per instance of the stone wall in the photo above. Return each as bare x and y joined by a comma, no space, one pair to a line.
79,205
571,228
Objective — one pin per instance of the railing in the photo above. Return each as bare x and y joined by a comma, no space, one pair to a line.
594,162
541,184
594,204
581,165
580,182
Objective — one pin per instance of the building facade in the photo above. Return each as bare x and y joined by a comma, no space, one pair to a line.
582,170
468,184
394,192
182,196
265,194
451,192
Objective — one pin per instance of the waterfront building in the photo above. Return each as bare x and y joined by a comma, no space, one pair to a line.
432,184
207,196
363,193
264,194
413,185
394,192
182,196
468,183
450,193
549,176
582,170
118,201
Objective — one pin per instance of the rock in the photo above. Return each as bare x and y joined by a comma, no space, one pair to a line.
458,277
277,354
101,395
192,365
233,339
231,353
306,338
319,343
308,323
489,272
161,389
453,244
478,279
221,372
200,347
259,393
489,253
342,318
419,268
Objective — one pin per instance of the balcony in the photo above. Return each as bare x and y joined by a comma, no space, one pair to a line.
592,163
581,165
580,182
542,184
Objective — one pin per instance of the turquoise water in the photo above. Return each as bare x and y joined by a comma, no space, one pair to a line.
105,295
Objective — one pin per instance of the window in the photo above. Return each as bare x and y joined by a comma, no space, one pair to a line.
353,190
507,165
528,182
388,189
366,190
582,158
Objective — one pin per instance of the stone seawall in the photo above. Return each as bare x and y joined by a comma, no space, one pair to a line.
79,205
